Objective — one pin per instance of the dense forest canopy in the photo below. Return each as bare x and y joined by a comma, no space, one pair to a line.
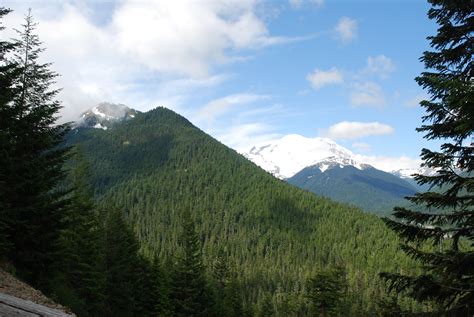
153,217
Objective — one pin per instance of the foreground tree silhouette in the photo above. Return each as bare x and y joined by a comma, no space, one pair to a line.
8,72
444,216
31,158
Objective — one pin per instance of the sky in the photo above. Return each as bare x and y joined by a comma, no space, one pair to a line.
248,71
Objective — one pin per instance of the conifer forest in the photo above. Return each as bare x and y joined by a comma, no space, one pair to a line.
154,217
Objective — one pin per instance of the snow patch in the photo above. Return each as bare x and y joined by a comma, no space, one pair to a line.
289,155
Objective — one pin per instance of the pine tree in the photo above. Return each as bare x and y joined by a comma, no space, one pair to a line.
161,289
32,204
79,278
121,267
444,216
326,290
190,294
8,72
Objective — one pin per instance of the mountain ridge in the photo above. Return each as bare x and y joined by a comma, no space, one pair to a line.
158,164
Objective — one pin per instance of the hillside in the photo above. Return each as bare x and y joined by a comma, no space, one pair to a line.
156,165
11,286
370,189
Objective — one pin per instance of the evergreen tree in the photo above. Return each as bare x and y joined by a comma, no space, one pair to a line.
8,72
266,307
161,289
444,216
33,167
79,278
326,291
122,267
190,293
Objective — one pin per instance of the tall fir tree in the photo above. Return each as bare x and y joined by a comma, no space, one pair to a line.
8,72
190,293
444,216
79,278
32,204
122,267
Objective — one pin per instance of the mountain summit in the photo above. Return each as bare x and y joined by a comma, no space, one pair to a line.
292,153
105,114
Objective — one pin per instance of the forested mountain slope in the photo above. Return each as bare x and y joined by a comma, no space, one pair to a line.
369,188
157,165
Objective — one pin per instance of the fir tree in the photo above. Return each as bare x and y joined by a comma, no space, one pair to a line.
326,290
34,161
161,289
444,216
190,293
8,72
79,277
121,267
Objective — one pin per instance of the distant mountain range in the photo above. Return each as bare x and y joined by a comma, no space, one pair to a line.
369,188
326,168
319,165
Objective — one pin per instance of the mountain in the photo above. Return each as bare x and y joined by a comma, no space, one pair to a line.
325,168
290,154
368,188
156,166
104,115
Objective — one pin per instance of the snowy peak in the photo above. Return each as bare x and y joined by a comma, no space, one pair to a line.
289,155
409,172
105,114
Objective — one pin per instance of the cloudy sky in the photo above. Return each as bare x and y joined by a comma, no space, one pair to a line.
247,71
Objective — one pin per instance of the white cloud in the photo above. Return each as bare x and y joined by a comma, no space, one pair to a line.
415,101
354,130
389,164
346,29
297,4
186,36
218,107
361,146
367,94
319,78
380,65
240,136
146,52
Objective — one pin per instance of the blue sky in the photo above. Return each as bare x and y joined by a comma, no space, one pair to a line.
248,71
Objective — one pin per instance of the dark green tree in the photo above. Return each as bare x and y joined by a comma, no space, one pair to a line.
266,307
122,267
161,289
444,216
79,278
8,73
32,204
326,291
190,292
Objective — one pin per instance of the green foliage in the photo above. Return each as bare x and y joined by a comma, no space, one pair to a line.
124,269
444,218
7,75
327,290
157,165
79,258
370,189
190,294
31,160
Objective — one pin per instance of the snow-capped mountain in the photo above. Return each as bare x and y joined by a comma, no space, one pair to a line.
289,155
409,172
105,114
